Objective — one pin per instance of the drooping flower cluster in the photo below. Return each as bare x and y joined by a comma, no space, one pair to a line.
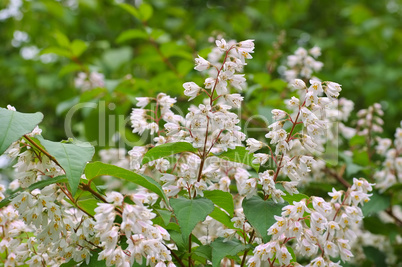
303,63
391,171
370,120
143,238
85,82
322,230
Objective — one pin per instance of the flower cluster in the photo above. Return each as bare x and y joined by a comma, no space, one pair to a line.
85,81
316,224
303,63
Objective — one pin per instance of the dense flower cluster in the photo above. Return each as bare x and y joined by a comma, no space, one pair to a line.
317,226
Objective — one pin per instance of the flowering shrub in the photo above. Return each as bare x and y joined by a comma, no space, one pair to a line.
205,193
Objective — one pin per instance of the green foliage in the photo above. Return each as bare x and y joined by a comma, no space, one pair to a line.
96,169
166,150
260,214
189,212
222,248
72,157
14,125
221,199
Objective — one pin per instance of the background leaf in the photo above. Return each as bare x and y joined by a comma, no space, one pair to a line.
240,155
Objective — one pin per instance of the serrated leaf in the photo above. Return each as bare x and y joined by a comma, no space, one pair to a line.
78,47
130,9
72,157
221,199
260,214
166,150
131,34
221,249
14,125
221,217
97,169
240,155
189,212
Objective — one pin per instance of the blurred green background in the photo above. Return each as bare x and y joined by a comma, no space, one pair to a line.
150,49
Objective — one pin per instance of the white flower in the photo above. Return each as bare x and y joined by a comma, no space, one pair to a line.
191,89
234,100
201,64
142,101
332,90
298,84
278,114
222,45
315,51
253,145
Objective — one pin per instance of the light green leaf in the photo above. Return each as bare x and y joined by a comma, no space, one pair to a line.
166,150
295,197
221,199
89,205
221,249
260,214
62,39
131,34
57,50
14,124
240,155
97,169
69,68
78,47
189,212
130,9
72,157
145,11
165,215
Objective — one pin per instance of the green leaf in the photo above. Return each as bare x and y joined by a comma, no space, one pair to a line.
165,215
40,184
97,169
93,262
131,34
130,9
57,50
295,197
260,214
221,249
62,39
69,68
78,47
189,212
14,124
240,155
222,217
88,205
204,251
145,11
376,204
72,157
221,199
167,150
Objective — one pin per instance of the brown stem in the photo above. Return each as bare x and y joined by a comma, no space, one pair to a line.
175,256
246,251
32,142
337,177
87,187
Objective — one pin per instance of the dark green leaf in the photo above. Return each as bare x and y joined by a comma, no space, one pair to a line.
221,249
72,157
204,252
97,169
189,212
376,204
166,150
295,197
14,124
165,214
260,214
